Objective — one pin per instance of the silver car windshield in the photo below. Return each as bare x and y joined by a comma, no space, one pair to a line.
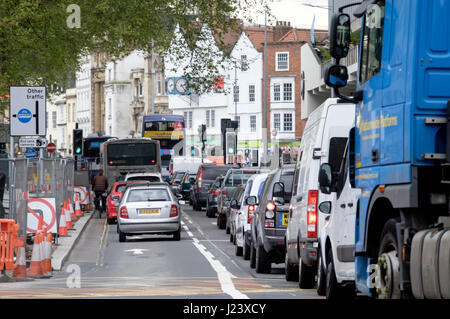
150,195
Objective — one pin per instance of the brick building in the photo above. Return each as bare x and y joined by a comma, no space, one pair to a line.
284,76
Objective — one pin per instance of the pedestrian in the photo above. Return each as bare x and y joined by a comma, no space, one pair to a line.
99,186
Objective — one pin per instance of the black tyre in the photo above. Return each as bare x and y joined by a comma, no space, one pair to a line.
122,237
333,289
177,234
305,275
321,276
246,248
290,271
227,230
263,265
111,221
221,222
252,255
238,250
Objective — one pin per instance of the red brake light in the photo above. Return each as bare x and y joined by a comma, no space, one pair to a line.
173,211
251,213
123,212
215,192
313,199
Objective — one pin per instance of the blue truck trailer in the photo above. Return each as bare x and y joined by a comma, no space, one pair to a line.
400,149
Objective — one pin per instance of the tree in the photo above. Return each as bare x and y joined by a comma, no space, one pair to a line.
41,41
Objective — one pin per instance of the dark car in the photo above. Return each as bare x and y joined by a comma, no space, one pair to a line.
186,184
177,177
232,179
213,194
206,175
269,225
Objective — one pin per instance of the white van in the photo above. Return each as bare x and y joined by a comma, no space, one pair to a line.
324,140
336,265
188,164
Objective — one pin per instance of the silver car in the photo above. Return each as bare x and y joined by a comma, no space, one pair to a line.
148,208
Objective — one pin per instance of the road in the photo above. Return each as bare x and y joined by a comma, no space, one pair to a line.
201,265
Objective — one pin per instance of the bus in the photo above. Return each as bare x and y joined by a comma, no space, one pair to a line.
131,155
169,130
91,153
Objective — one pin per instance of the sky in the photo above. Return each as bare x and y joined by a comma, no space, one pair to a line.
296,12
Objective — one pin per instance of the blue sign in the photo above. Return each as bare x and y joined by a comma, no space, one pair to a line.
24,115
30,153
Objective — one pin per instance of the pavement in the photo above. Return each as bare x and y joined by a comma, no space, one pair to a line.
65,244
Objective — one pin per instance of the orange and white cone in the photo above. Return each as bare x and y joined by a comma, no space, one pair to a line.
78,211
48,255
68,217
21,264
43,236
35,269
62,231
72,212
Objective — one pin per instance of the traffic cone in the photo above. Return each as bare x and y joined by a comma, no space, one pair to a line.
48,255
62,231
21,264
35,269
68,217
72,212
78,211
43,236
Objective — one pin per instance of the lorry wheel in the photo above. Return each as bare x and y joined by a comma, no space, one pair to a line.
321,276
290,272
252,255
305,275
388,262
263,265
246,248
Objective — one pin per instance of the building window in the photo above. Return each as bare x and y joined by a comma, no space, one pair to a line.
251,93
276,92
252,123
213,118
236,93
244,64
207,118
54,119
158,83
140,87
185,115
282,62
276,122
287,91
190,119
287,123
109,109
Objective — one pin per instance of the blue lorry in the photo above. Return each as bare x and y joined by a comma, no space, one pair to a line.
399,153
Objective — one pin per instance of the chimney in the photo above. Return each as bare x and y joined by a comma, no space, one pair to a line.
281,28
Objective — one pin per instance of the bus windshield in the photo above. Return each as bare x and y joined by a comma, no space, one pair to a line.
132,154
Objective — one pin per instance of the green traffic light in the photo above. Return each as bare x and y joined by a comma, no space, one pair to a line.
78,150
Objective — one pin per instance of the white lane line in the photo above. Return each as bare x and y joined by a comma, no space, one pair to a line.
190,234
224,276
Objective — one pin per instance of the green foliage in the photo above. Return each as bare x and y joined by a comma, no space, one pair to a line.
37,47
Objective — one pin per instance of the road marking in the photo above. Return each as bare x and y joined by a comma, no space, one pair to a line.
224,276
136,251
100,256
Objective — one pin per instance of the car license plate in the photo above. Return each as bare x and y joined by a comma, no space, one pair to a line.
149,211
284,219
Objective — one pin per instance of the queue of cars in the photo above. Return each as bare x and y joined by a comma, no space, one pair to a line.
302,215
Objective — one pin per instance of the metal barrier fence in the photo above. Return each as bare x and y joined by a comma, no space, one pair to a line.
30,179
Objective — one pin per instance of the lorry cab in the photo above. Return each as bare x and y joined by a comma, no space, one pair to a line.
323,141
400,149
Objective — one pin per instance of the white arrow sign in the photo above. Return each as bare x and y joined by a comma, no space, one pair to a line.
136,251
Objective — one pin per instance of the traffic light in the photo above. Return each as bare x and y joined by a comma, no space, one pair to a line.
77,142
202,132
231,143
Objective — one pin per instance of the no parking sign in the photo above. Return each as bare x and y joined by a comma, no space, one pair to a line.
83,194
41,207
